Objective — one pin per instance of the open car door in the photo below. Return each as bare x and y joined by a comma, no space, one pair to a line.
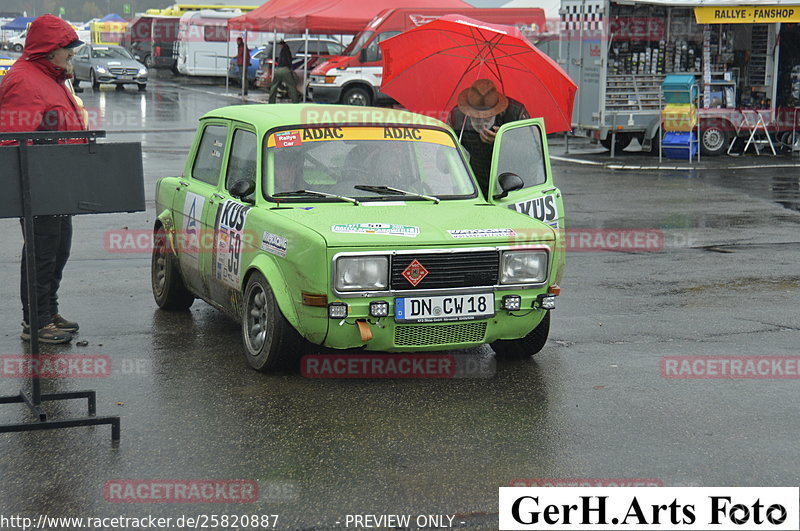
520,148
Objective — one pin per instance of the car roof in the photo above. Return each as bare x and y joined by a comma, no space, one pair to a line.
269,115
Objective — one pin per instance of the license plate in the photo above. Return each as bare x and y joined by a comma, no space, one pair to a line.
124,78
443,308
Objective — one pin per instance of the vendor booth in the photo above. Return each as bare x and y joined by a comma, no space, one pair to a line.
744,55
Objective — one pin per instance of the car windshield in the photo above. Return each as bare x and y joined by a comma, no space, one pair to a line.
356,44
110,53
361,162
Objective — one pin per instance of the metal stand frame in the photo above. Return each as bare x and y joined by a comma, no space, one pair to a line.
35,398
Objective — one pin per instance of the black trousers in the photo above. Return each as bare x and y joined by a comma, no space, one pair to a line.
52,242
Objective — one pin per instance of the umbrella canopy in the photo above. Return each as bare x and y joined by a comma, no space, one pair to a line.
19,23
427,67
112,17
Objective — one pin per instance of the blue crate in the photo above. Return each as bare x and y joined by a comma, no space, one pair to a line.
680,145
680,88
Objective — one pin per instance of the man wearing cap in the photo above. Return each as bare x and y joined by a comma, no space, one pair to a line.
284,74
480,112
34,96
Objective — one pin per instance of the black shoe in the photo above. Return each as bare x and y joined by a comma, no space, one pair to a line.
63,324
47,334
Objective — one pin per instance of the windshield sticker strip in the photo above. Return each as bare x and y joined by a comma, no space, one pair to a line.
387,229
323,134
482,233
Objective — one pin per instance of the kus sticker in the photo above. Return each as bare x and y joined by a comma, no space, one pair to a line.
272,243
542,208
387,229
228,244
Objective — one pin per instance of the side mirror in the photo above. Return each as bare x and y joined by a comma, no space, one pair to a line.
509,182
242,189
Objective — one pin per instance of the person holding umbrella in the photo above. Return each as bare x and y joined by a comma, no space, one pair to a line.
480,112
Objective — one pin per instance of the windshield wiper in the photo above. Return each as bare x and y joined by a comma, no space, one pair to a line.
319,194
394,191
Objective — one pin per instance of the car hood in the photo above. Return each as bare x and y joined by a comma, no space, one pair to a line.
417,223
117,63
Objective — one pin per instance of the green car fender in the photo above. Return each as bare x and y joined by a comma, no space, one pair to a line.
165,220
267,266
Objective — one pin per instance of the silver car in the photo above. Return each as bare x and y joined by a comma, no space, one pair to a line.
100,64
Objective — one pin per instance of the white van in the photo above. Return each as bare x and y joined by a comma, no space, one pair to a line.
204,47
17,42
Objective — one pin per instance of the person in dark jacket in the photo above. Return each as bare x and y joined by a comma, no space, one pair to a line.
480,112
34,96
242,58
284,74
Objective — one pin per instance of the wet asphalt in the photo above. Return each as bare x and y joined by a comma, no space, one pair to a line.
592,404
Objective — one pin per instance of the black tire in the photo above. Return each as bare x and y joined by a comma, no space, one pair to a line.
142,87
621,140
357,96
17,47
270,342
93,80
169,291
149,62
526,346
714,139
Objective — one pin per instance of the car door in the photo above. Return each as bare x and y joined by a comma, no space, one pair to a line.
227,215
80,63
194,198
521,148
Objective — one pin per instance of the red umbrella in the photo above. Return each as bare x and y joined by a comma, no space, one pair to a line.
425,69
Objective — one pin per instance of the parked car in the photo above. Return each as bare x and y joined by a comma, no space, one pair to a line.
319,50
360,233
99,64
5,64
17,43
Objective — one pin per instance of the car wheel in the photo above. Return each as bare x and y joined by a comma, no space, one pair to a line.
357,96
526,346
713,139
142,87
17,47
148,61
621,142
169,291
93,81
270,342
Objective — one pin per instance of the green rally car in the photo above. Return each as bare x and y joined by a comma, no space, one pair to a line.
360,228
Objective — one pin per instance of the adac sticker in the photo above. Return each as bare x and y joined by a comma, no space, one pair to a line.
387,229
542,208
228,242
272,243
288,139
482,233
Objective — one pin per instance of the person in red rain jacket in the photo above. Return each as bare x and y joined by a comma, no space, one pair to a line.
242,58
34,97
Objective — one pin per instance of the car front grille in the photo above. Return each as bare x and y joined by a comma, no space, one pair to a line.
124,71
447,270
429,334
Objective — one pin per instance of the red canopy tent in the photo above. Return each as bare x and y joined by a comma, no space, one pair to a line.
332,17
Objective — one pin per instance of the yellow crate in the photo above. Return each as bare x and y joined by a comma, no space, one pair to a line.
682,118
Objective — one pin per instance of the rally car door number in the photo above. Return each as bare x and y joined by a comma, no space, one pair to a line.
443,308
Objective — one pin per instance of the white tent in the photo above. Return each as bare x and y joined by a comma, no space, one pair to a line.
550,6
